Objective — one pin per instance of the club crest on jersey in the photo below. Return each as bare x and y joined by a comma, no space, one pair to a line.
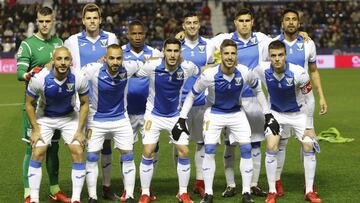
103,42
69,87
300,46
253,40
180,75
122,76
289,81
238,81
201,48
147,56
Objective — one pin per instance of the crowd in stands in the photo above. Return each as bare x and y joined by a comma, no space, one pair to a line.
331,24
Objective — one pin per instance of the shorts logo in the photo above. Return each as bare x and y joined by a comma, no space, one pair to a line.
103,42
300,46
201,48
69,87
180,75
289,81
238,81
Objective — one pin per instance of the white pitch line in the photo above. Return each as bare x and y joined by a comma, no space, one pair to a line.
11,104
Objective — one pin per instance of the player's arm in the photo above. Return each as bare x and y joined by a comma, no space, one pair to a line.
23,62
84,109
315,77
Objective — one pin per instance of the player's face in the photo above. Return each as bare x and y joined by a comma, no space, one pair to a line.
113,60
172,55
290,23
277,58
62,61
191,26
136,36
91,21
228,57
45,24
244,24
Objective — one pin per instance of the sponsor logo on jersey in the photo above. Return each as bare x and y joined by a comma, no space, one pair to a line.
40,48
103,42
69,87
300,46
238,81
289,81
83,44
201,48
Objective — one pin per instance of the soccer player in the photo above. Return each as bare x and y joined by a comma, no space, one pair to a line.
56,91
167,76
302,53
250,47
138,88
225,83
289,88
108,116
34,52
200,51
86,47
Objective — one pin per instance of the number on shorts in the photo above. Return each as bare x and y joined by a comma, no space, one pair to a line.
147,125
206,125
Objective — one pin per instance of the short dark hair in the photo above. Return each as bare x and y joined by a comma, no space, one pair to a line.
277,44
114,46
136,22
244,11
91,8
45,11
190,14
172,40
290,10
226,43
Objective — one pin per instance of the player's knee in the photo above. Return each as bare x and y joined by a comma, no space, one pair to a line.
183,151
272,147
307,146
210,148
245,150
127,157
92,156
38,153
148,152
256,145
77,153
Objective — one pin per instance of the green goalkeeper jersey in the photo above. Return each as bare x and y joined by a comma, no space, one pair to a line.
35,51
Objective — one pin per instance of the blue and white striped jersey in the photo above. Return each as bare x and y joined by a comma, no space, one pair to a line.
165,86
57,98
201,53
109,92
250,52
285,90
225,91
138,90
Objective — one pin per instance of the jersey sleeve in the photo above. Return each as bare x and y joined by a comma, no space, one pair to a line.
89,70
157,53
34,86
83,87
146,69
113,39
202,83
132,67
72,45
303,82
190,67
217,40
23,60
312,53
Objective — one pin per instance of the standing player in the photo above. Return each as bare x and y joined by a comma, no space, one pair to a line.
198,50
250,46
34,52
287,84
108,116
86,47
167,76
302,53
138,89
56,90
225,83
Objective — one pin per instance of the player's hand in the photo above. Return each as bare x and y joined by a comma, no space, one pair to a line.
80,137
28,75
180,36
35,137
272,124
179,128
323,106
305,36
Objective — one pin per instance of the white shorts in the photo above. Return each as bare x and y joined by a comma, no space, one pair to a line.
195,123
137,124
236,124
154,124
66,124
120,130
288,122
255,117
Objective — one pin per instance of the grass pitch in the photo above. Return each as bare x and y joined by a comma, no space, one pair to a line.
337,175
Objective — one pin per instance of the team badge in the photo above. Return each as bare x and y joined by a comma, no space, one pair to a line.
289,81
103,42
300,46
147,56
180,75
69,87
122,76
201,48
238,81
253,40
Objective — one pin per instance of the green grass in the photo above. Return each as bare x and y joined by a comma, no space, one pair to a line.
337,176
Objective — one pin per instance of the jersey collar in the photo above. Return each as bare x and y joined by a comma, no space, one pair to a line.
253,39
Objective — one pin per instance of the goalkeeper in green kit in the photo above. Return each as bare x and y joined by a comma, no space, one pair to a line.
34,53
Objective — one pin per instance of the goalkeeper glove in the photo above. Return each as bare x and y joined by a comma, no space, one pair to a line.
28,75
272,124
179,128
